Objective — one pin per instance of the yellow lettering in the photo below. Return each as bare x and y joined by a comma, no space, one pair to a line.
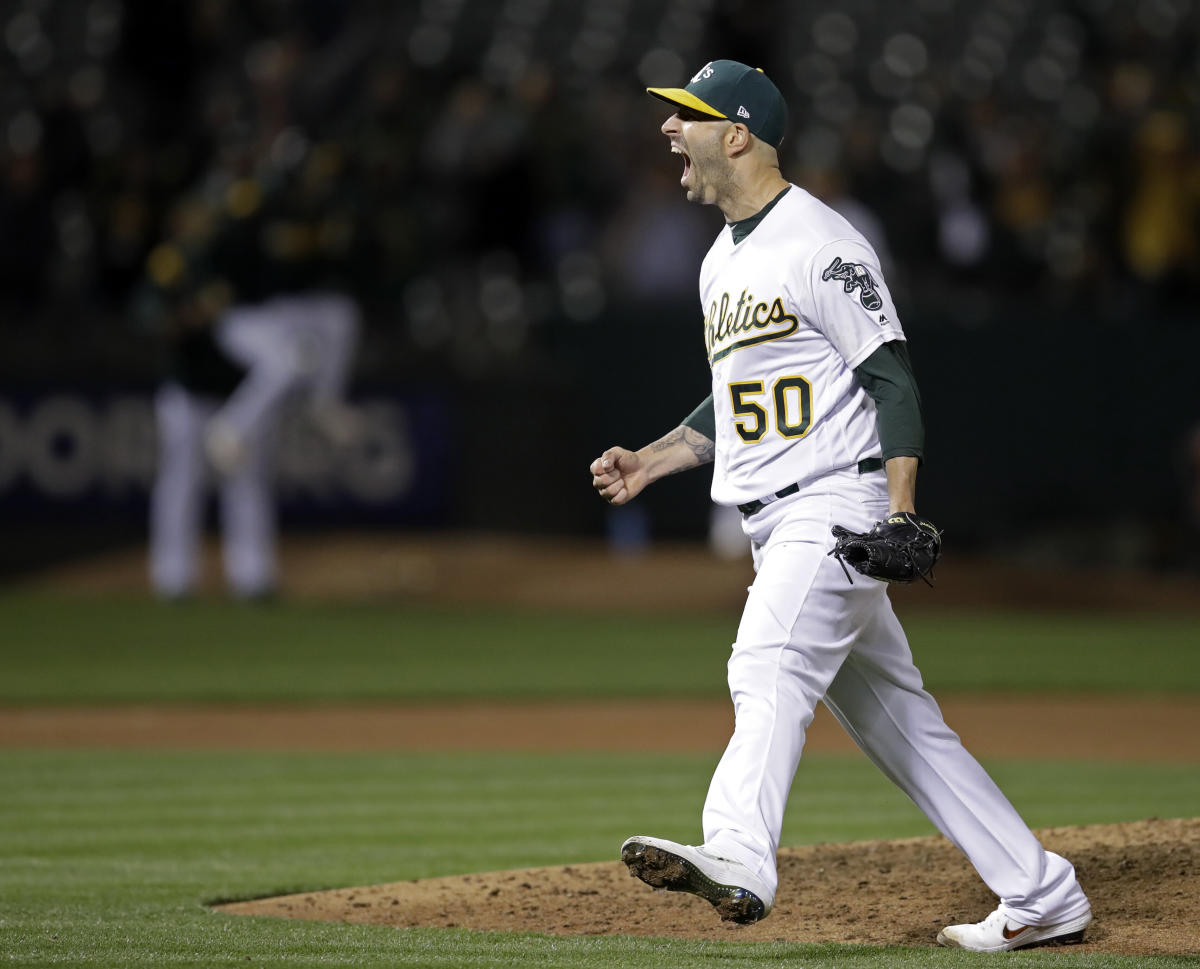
727,319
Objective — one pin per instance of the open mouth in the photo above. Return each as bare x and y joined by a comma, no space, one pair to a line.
687,161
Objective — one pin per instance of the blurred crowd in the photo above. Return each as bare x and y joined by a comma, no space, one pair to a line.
485,171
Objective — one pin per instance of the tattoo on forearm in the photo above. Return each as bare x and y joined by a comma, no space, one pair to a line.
667,441
703,449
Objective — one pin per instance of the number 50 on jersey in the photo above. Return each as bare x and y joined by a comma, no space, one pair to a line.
790,403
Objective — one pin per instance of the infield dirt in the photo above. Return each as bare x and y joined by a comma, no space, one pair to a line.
1142,879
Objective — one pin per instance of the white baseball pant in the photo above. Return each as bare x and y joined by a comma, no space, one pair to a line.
302,343
177,503
807,635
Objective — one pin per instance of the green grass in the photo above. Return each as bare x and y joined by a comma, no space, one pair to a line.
107,858
58,649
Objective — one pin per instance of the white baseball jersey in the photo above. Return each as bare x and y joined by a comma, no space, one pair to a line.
790,311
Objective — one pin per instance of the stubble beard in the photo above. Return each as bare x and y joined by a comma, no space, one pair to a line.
713,178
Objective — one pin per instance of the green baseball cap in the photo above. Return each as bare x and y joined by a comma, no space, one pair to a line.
731,90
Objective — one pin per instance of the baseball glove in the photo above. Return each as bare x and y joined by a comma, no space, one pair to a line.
901,548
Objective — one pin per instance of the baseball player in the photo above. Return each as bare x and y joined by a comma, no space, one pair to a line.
814,424
246,288
294,329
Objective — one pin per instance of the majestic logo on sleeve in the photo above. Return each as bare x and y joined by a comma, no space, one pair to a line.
730,326
852,276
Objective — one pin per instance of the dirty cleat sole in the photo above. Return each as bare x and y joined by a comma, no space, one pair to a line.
660,868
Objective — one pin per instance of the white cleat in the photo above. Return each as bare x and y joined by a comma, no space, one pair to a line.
737,894
998,933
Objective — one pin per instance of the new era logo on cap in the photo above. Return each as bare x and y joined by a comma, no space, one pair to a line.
730,90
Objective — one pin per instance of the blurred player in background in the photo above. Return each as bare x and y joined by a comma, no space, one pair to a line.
251,291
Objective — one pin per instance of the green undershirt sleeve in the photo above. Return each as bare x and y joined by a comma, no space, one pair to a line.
703,419
887,377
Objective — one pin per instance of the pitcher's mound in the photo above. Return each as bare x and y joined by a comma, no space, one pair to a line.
1142,878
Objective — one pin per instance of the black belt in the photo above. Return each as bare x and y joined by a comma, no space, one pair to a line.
865,466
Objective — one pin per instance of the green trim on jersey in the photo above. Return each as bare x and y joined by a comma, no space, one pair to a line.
887,376
743,227
703,419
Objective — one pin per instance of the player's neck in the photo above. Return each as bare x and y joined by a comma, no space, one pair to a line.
750,196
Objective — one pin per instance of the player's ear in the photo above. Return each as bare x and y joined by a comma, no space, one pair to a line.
737,139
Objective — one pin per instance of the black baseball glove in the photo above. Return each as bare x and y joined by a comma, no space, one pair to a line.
901,548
